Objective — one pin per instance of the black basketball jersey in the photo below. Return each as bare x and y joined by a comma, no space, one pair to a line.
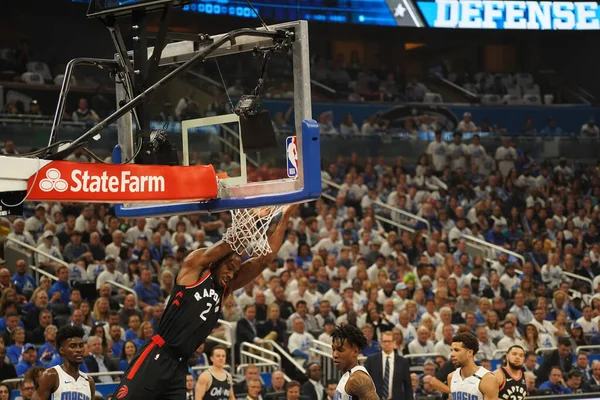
190,315
513,389
218,390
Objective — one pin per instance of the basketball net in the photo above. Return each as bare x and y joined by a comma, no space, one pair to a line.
248,233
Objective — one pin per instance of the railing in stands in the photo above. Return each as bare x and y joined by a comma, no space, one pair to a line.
543,350
498,352
125,288
577,277
285,354
39,271
587,347
263,367
37,251
229,334
248,353
323,86
377,217
494,247
387,207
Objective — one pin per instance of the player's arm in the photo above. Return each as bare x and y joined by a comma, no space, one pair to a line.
489,387
360,385
251,268
499,377
202,385
47,385
92,386
231,392
199,260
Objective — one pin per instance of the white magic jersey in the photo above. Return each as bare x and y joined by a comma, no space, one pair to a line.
467,389
71,389
340,390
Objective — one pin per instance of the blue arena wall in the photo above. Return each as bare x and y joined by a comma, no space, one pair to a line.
568,117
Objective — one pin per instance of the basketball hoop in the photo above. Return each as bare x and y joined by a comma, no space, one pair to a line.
248,231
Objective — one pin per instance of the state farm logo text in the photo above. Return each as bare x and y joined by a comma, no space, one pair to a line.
82,181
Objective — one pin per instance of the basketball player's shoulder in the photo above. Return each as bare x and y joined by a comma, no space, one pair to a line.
489,385
360,385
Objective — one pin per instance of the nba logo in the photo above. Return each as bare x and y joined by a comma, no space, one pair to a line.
291,147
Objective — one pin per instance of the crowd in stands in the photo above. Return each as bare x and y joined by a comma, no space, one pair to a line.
339,264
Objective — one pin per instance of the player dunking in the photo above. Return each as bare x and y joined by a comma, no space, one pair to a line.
469,382
215,383
511,378
65,381
355,383
207,276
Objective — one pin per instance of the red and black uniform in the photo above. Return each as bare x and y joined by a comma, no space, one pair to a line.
513,388
159,368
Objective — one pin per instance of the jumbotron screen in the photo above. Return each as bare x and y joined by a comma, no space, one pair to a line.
453,14
450,14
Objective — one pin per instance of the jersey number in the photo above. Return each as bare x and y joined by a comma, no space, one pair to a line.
203,314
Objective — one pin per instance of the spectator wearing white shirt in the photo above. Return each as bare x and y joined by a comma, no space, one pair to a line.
445,319
477,152
333,295
510,338
443,346
466,124
552,272
136,231
506,156
438,153
408,329
109,273
523,313
456,233
421,344
331,243
47,246
589,326
369,126
19,233
348,127
289,248
302,294
458,153
509,279
486,346
299,341
590,129
36,222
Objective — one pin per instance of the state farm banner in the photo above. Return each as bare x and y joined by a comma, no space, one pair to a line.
121,183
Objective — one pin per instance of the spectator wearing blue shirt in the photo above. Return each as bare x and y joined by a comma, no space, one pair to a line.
495,234
134,326
48,352
159,250
148,292
551,129
60,292
117,342
28,360
24,283
372,345
14,351
127,354
556,383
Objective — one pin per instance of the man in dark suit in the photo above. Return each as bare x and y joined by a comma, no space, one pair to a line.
562,357
96,362
390,372
313,389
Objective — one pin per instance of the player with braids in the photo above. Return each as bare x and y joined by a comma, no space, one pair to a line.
65,380
355,383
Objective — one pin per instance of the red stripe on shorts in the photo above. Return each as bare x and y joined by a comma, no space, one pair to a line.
156,340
